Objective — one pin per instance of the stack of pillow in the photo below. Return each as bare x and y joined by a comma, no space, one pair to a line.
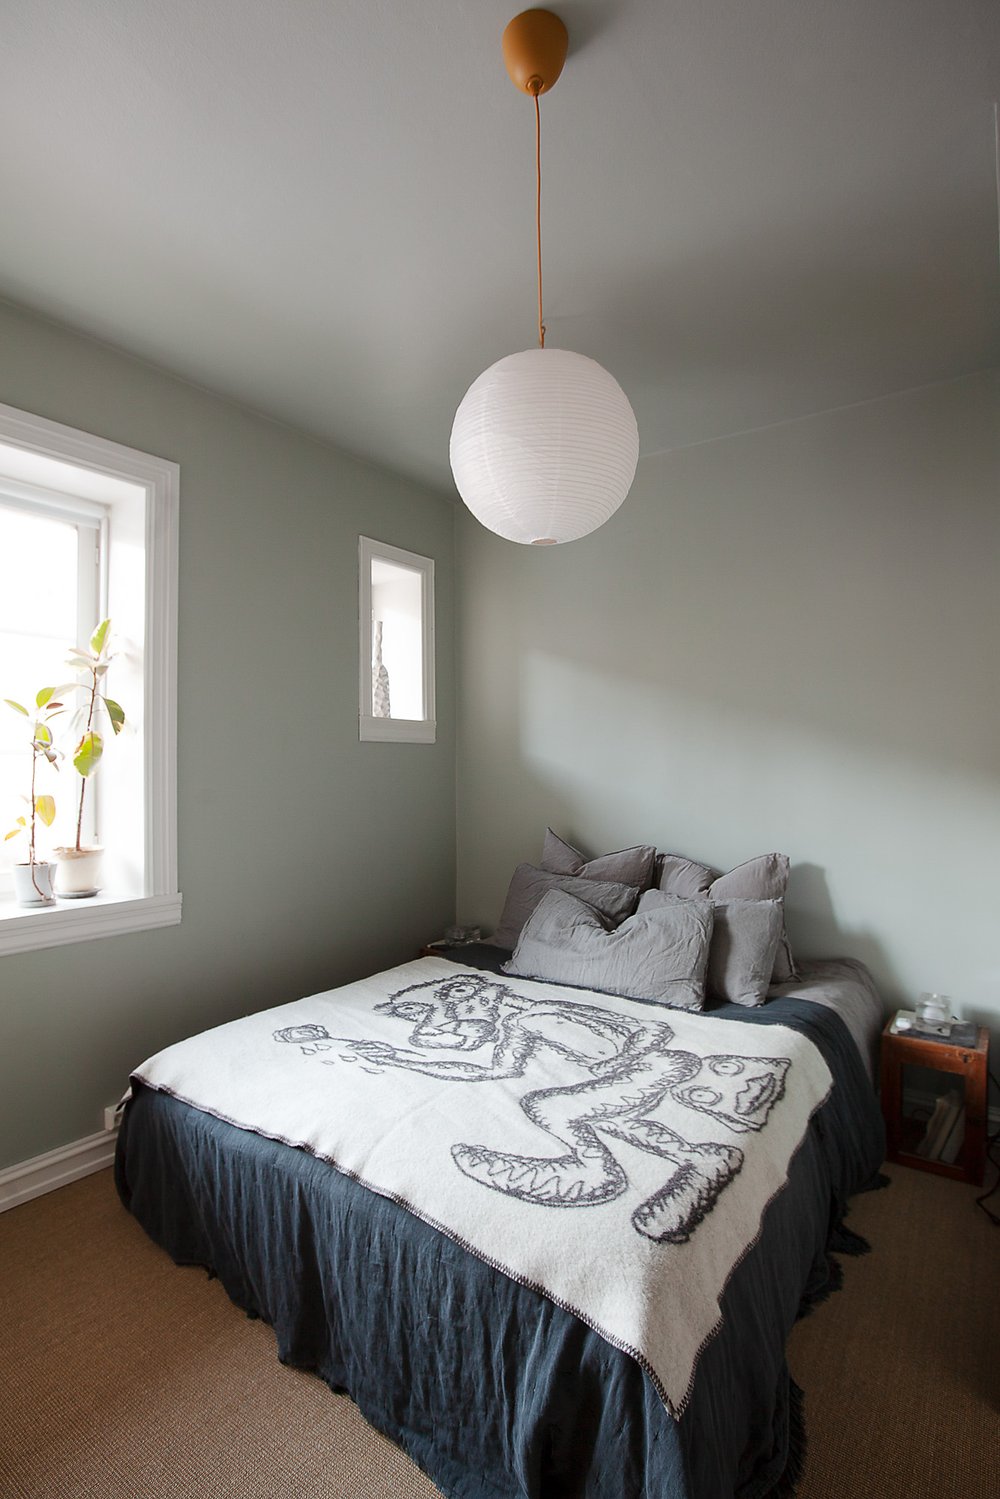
649,926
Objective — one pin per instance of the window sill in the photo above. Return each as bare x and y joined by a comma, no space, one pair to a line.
25,930
398,730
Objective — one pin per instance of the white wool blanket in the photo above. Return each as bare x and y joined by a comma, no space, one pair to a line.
616,1156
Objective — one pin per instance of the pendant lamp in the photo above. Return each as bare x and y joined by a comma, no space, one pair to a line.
544,444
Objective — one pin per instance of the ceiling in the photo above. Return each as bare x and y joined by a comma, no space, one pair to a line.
753,209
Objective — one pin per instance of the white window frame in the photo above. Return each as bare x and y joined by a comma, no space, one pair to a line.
395,730
154,517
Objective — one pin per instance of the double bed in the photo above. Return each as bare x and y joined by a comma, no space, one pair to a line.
550,1242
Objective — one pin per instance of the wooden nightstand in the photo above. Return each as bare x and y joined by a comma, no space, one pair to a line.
903,1134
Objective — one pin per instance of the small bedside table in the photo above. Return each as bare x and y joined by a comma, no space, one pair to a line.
971,1064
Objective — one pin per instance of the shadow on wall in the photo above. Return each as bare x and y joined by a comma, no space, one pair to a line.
813,928
608,763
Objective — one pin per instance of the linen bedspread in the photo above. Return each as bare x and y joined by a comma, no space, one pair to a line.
494,1387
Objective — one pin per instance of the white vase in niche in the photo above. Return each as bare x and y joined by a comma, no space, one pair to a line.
33,884
78,872
380,679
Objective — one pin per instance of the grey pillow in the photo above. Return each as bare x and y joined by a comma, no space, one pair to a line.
660,953
763,878
629,866
745,938
675,875
528,885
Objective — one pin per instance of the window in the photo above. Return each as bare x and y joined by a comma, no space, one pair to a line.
50,600
396,630
88,529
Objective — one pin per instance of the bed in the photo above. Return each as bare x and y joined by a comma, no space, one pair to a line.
501,1379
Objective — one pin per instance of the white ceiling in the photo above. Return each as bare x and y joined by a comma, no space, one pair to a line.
753,209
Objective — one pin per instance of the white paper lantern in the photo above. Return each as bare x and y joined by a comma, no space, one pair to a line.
544,446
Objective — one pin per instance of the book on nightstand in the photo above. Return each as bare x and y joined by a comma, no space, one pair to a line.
949,1033
955,1140
948,1110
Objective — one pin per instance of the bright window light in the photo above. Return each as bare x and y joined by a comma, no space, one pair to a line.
49,603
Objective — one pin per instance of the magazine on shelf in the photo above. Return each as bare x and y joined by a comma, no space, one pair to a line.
948,1109
953,1144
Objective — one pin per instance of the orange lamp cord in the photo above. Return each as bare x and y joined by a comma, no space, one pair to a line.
538,214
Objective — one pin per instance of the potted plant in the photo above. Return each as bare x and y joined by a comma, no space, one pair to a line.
33,878
79,865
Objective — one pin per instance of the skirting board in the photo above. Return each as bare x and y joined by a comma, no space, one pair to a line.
44,1173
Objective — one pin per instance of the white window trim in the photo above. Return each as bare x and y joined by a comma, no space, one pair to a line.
394,730
160,905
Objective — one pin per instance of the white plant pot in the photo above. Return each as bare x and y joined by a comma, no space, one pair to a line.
33,884
79,872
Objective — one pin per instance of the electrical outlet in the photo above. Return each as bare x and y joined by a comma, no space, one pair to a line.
112,1118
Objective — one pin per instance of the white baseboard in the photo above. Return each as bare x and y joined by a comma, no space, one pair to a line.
44,1173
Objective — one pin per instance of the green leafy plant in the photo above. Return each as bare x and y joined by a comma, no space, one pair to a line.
42,806
97,712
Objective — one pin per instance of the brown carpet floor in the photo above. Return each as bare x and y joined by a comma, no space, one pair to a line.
126,1378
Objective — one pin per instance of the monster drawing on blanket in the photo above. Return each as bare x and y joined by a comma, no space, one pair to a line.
629,1066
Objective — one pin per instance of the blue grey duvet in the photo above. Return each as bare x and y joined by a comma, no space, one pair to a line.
490,1387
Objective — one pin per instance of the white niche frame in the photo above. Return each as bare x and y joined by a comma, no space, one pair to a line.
421,730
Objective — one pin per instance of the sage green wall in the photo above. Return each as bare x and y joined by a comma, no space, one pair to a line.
306,858
784,640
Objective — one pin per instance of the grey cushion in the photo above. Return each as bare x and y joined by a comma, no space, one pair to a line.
676,875
745,939
528,885
629,866
660,953
763,878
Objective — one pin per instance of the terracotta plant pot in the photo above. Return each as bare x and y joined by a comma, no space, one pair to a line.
33,884
79,872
